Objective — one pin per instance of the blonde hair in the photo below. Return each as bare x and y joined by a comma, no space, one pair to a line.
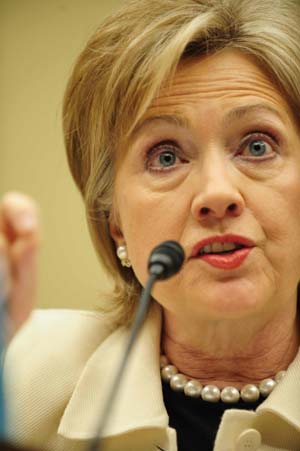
121,70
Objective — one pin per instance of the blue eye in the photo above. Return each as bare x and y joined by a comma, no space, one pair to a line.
164,157
167,159
258,148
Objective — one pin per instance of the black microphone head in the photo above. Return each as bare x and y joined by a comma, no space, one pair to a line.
166,259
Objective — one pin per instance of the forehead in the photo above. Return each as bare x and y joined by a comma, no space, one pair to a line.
226,83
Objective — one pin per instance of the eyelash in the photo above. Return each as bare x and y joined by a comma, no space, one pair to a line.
154,151
252,136
260,136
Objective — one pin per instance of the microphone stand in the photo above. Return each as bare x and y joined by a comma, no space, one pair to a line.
143,308
165,260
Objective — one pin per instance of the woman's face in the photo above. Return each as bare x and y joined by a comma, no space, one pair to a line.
217,154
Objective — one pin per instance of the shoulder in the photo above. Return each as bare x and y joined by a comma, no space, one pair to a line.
59,329
63,322
44,362
50,334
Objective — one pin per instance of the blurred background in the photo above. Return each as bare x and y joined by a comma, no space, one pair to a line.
39,41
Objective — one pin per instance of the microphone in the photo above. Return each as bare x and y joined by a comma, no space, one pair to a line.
165,260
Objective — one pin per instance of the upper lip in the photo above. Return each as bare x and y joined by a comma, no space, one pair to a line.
228,238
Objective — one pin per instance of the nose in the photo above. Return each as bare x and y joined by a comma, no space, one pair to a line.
218,196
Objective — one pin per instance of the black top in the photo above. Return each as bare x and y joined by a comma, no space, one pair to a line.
197,421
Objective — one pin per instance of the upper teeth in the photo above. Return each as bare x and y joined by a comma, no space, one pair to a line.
219,247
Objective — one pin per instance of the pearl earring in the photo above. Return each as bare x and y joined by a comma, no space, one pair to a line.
122,254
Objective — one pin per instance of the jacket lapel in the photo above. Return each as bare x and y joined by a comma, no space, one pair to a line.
139,403
284,401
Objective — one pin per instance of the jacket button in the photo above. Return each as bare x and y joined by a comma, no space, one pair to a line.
249,440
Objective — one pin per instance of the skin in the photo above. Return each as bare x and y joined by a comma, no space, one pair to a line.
20,240
226,327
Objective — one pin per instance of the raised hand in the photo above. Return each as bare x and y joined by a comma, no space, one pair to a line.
19,246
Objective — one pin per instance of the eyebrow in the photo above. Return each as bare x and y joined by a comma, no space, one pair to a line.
242,112
174,119
238,113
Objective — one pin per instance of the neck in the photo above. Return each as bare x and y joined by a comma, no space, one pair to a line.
225,356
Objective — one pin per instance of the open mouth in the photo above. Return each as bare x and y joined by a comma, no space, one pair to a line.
227,251
224,255
220,248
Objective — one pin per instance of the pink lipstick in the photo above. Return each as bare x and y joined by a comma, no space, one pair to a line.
224,260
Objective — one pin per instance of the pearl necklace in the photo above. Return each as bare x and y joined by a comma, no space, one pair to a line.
211,393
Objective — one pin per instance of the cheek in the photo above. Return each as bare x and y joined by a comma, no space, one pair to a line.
285,209
279,217
291,222
147,219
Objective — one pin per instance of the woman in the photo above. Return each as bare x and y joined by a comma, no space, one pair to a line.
181,122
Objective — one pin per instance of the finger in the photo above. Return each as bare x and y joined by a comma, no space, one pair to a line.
5,275
5,290
18,215
24,284
19,276
19,223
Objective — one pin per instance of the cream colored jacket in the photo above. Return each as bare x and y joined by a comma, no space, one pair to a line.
59,369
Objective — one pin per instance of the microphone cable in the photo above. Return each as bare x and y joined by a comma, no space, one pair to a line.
165,260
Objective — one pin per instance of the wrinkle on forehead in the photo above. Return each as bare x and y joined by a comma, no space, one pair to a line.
226,75
186,83
225,83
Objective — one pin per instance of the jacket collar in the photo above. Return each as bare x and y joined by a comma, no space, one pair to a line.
281,401
132,409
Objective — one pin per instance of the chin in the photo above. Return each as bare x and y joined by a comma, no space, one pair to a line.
233,300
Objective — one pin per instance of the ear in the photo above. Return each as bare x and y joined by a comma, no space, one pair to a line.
115,229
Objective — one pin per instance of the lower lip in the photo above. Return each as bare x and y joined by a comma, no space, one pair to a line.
227,261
